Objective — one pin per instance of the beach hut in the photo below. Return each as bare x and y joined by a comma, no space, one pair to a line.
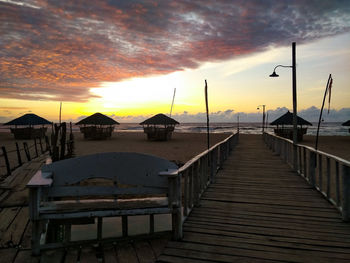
347,123
159,127
26,126
97,126
285,126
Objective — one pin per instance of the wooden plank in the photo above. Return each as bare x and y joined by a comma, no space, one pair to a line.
26,239
25,256
126,254
8,254
7,215
110,254
52,256
158,245
71,256
88,255
144,252
14,233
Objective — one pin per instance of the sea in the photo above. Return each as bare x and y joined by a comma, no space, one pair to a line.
326,128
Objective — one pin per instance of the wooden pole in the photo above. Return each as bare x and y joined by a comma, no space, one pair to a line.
172,103
207,109
320,118
295,127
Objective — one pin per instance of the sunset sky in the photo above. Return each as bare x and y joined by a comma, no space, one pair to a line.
124,58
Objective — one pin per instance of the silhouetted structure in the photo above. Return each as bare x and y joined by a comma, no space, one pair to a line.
159,127
28,120
347,123
97,126
285,126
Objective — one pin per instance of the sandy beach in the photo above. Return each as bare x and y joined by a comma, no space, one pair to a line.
181,148
336,145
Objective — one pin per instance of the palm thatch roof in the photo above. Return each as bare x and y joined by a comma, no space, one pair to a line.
160,119
29,119
97,119
347,123
287,119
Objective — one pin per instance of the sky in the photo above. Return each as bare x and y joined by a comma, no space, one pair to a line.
125,58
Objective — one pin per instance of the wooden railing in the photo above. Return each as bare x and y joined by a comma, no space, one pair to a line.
200,171
327,173
12,159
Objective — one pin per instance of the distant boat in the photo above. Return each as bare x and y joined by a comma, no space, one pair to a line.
97,126
286,121
30,120
159,127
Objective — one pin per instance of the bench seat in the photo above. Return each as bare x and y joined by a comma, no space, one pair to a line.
78,190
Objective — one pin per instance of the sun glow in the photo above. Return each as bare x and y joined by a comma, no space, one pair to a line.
142,95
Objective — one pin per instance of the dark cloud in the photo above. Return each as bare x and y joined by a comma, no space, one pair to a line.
57,50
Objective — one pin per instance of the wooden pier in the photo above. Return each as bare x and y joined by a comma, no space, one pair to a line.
260,211
257,210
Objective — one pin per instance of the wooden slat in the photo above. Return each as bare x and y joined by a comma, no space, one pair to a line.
258,210
126,254
144,252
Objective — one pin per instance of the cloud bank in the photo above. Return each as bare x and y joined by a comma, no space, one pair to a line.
230,116
58,50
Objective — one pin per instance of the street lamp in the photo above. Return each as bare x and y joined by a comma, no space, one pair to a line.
294,83
263,123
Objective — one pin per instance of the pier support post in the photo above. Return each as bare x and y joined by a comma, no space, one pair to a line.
346,193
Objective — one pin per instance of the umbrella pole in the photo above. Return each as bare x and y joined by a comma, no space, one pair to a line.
319,119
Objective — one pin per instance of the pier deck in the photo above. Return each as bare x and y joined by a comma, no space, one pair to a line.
260,211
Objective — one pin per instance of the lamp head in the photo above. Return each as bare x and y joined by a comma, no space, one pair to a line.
258,108
274,75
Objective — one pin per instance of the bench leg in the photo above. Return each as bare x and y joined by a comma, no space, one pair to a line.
36,234
177,224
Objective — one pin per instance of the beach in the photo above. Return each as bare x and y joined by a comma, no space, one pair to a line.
180,149
335,145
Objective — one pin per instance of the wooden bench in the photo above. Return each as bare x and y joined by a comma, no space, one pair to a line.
61,194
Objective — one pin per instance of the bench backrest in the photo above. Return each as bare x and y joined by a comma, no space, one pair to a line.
120,167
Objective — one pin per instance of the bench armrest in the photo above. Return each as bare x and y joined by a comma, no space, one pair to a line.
40,180
170,173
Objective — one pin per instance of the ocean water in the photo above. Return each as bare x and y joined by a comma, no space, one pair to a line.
328,128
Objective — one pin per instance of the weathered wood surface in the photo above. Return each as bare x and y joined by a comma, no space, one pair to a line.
16,229
260,211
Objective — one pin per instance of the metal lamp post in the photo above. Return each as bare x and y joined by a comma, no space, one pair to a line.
294,83
263,122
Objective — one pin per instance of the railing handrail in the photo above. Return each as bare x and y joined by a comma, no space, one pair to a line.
337,158
197,157
333,172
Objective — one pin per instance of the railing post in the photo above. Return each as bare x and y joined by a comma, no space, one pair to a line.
320,172
337,183
346,192
328,178
312,168
18,155
196,183
36,148
8,168
186,192
26,150
304,159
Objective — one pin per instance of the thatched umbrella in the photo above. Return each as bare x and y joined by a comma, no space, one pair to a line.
159,127
97,126
287,132
30,120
